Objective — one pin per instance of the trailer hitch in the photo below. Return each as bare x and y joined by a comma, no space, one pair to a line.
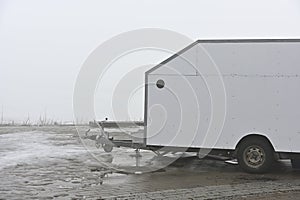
101,140
105,143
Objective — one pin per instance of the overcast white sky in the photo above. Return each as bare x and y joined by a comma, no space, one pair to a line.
44,43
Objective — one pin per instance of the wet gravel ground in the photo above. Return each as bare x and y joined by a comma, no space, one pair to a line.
52,163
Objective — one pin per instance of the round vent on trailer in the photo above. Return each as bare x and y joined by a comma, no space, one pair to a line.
160,84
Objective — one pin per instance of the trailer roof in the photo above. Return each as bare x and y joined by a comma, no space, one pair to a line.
247,40
220,41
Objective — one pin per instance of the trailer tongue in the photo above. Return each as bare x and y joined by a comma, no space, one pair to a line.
131,135
118,134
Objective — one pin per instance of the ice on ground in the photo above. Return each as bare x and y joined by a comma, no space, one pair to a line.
35,146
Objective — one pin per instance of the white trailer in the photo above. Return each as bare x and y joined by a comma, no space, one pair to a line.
235,97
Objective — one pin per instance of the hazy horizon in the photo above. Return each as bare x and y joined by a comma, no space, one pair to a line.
44,43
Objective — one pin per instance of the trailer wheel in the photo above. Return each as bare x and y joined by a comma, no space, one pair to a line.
255,155
295,163
107,148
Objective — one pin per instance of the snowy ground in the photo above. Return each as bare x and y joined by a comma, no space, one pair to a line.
52,162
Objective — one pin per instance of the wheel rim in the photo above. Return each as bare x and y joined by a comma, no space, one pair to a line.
254,156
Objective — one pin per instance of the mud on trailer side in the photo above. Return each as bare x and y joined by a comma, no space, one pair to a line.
257,105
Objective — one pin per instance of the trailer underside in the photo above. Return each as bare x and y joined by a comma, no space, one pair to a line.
130,135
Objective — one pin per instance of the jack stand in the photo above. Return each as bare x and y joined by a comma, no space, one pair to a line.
137,157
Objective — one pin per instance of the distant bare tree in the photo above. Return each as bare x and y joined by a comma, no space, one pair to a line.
27,121
41,121
2,115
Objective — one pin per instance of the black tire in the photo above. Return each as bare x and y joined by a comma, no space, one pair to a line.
108,148
255,155
295,163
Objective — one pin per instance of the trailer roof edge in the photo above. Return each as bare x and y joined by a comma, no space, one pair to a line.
171,57
219,41
247,40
